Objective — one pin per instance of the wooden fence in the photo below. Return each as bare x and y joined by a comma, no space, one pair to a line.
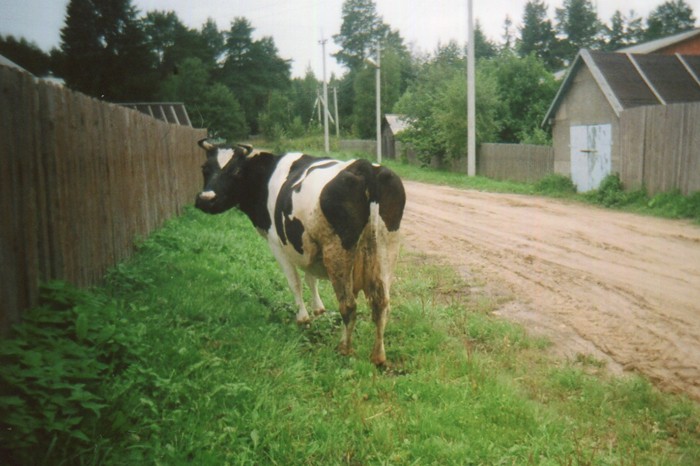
80,181
515,162
660,148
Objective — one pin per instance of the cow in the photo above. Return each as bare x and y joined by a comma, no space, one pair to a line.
332,219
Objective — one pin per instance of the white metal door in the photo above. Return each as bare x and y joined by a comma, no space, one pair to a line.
590,155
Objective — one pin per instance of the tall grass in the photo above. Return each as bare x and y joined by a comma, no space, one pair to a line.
189,354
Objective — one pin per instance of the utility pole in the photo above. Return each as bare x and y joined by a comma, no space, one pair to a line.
471,94
379,104
337,121
325,97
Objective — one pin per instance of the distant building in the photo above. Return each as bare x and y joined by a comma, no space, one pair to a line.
598,87
392,125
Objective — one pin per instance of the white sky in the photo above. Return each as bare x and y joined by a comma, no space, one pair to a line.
297,25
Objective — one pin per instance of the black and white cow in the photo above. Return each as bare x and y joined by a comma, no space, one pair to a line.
329,218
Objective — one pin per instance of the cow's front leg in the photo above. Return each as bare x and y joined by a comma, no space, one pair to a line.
318,306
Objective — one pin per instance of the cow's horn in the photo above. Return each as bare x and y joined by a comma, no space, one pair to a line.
248,148
205,144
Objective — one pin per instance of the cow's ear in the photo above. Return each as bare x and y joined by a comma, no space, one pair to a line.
205,144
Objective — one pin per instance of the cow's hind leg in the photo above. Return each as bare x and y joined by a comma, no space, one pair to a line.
339,265
378,297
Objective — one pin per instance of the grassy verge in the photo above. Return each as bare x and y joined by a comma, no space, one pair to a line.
189,354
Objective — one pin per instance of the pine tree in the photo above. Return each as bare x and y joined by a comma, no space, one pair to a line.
360,31
537,35
104,51
623,30
578,22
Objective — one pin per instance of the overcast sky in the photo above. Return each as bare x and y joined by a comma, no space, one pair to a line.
297,25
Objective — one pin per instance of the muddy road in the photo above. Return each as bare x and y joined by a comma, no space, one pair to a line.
621,287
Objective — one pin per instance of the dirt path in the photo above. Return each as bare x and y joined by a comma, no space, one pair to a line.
622,287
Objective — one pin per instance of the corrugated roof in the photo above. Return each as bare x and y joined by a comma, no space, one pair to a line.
669,77
171,112
632,80
660,44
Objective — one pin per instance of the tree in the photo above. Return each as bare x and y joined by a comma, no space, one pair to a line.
364,108
27,55
104,51
303,96
171,41
213,42
362,28
210,105
669,18
525,90
252,69
578,23
435,103
623,30
537,35
483,47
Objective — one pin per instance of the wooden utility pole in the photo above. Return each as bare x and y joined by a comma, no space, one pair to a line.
325,97
337,121
471,94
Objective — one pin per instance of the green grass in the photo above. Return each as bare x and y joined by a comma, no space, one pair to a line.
189,354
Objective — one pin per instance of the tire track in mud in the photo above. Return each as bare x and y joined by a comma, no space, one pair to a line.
622,287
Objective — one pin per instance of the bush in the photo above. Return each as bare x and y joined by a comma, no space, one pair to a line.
674,204
555,184
610,193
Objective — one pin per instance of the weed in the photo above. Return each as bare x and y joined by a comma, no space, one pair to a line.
555,185
51,373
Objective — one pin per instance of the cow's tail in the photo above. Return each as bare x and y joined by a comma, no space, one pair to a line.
381,240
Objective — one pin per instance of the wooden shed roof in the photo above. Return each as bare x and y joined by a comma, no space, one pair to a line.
631,80
397,123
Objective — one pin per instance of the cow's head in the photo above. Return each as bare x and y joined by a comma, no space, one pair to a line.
222,176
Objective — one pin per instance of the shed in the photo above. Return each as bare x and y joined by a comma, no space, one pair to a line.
598,87
392,125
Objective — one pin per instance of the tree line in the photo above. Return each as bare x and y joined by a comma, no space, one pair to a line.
237,86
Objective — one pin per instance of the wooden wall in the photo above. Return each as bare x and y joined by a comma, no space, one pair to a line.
660,148
80,181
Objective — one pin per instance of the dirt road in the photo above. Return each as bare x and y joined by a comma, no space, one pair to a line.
621,287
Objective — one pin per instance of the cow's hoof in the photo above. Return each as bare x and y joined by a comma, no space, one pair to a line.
304,322
378,360
319,312
345,350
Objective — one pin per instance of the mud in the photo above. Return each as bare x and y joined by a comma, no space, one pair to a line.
620,287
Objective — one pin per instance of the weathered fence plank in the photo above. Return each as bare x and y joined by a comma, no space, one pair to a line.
659,148
80,181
